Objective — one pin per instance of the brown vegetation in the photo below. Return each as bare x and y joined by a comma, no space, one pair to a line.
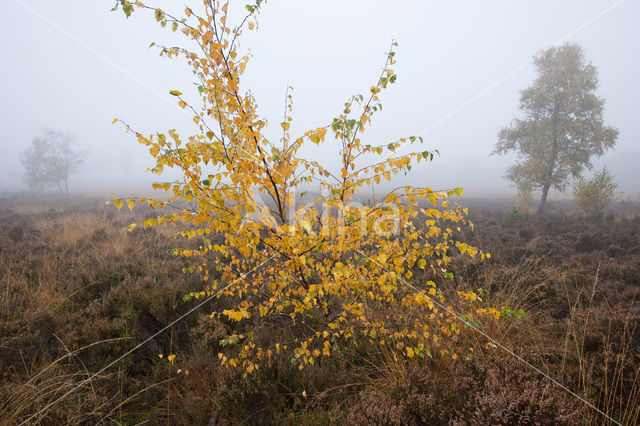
78,292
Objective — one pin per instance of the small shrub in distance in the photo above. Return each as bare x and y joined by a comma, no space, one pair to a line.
525,197
514,215
594,195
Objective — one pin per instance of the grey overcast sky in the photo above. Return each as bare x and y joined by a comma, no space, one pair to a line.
74,66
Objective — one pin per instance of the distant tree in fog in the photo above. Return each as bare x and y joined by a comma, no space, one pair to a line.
35,163
562,125
50,160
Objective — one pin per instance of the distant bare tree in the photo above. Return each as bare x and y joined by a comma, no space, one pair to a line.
66,159
50,160
36,164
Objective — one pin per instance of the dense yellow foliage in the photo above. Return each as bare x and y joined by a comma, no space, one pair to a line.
331,270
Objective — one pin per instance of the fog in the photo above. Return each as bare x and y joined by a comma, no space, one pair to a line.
461,66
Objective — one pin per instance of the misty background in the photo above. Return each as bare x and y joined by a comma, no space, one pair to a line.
461,66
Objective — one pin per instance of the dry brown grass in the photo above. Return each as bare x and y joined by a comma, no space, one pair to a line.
77,292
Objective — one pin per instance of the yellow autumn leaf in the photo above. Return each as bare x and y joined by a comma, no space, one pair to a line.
321,132
175,92
326,350
150,222
462,247
236,315
201,218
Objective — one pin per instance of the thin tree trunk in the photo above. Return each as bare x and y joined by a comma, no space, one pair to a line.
552,162
543,201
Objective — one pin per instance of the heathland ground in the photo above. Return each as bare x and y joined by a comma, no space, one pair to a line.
77,292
